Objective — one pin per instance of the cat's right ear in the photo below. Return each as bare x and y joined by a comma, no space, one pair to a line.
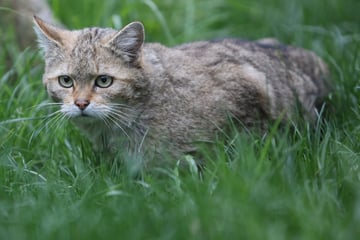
48,35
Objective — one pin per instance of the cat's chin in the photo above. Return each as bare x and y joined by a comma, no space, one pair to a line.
84,119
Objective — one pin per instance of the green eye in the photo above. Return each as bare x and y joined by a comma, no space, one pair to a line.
104,81
65,81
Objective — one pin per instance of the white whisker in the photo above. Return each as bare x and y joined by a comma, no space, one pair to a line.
123,106
46,104
142,140
115,117
46,121
122,118
103,117
114,121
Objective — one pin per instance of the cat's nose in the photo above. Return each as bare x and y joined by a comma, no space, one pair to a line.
82,103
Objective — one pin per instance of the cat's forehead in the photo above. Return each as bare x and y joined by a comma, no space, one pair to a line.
85,53
88,39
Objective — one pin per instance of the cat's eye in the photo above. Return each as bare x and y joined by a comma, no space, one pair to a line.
104,81
65,81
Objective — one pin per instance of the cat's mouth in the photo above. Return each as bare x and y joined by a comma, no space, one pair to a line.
82,114
77,113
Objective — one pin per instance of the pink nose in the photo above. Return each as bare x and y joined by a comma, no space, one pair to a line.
82,103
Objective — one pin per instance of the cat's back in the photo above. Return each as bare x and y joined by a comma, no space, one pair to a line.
267,55
266,73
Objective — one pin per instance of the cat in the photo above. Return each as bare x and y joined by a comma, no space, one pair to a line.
140,98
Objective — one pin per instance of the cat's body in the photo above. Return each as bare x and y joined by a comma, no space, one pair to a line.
135,97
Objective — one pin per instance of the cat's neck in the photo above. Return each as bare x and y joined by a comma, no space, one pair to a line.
109,137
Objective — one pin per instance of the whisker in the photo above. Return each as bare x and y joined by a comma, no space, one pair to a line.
49,119
124,110
15,120
121,106
60,121
115,116
125,114
53,114
114,121
45,104
122,118
125,106
120,115
142,140
46,121
103,118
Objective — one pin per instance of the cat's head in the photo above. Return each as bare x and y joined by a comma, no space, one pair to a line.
91,70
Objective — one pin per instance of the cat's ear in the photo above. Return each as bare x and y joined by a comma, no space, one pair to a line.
128,42
48,35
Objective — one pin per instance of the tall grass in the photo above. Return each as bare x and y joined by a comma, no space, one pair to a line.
294,183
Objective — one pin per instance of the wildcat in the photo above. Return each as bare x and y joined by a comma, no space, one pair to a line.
143,98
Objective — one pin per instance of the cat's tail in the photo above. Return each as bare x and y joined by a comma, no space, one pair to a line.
315,69
315,79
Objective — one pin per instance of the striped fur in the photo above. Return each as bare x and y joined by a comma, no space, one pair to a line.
170,97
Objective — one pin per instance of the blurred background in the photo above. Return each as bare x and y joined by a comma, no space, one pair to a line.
296,184
172,22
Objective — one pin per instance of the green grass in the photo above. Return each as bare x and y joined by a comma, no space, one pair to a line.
294,183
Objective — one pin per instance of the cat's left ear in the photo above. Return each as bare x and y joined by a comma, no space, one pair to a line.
128,42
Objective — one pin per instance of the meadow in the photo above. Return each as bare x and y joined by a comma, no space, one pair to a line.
297,182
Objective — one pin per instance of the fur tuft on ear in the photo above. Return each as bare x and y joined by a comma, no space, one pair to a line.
48,35
128,42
